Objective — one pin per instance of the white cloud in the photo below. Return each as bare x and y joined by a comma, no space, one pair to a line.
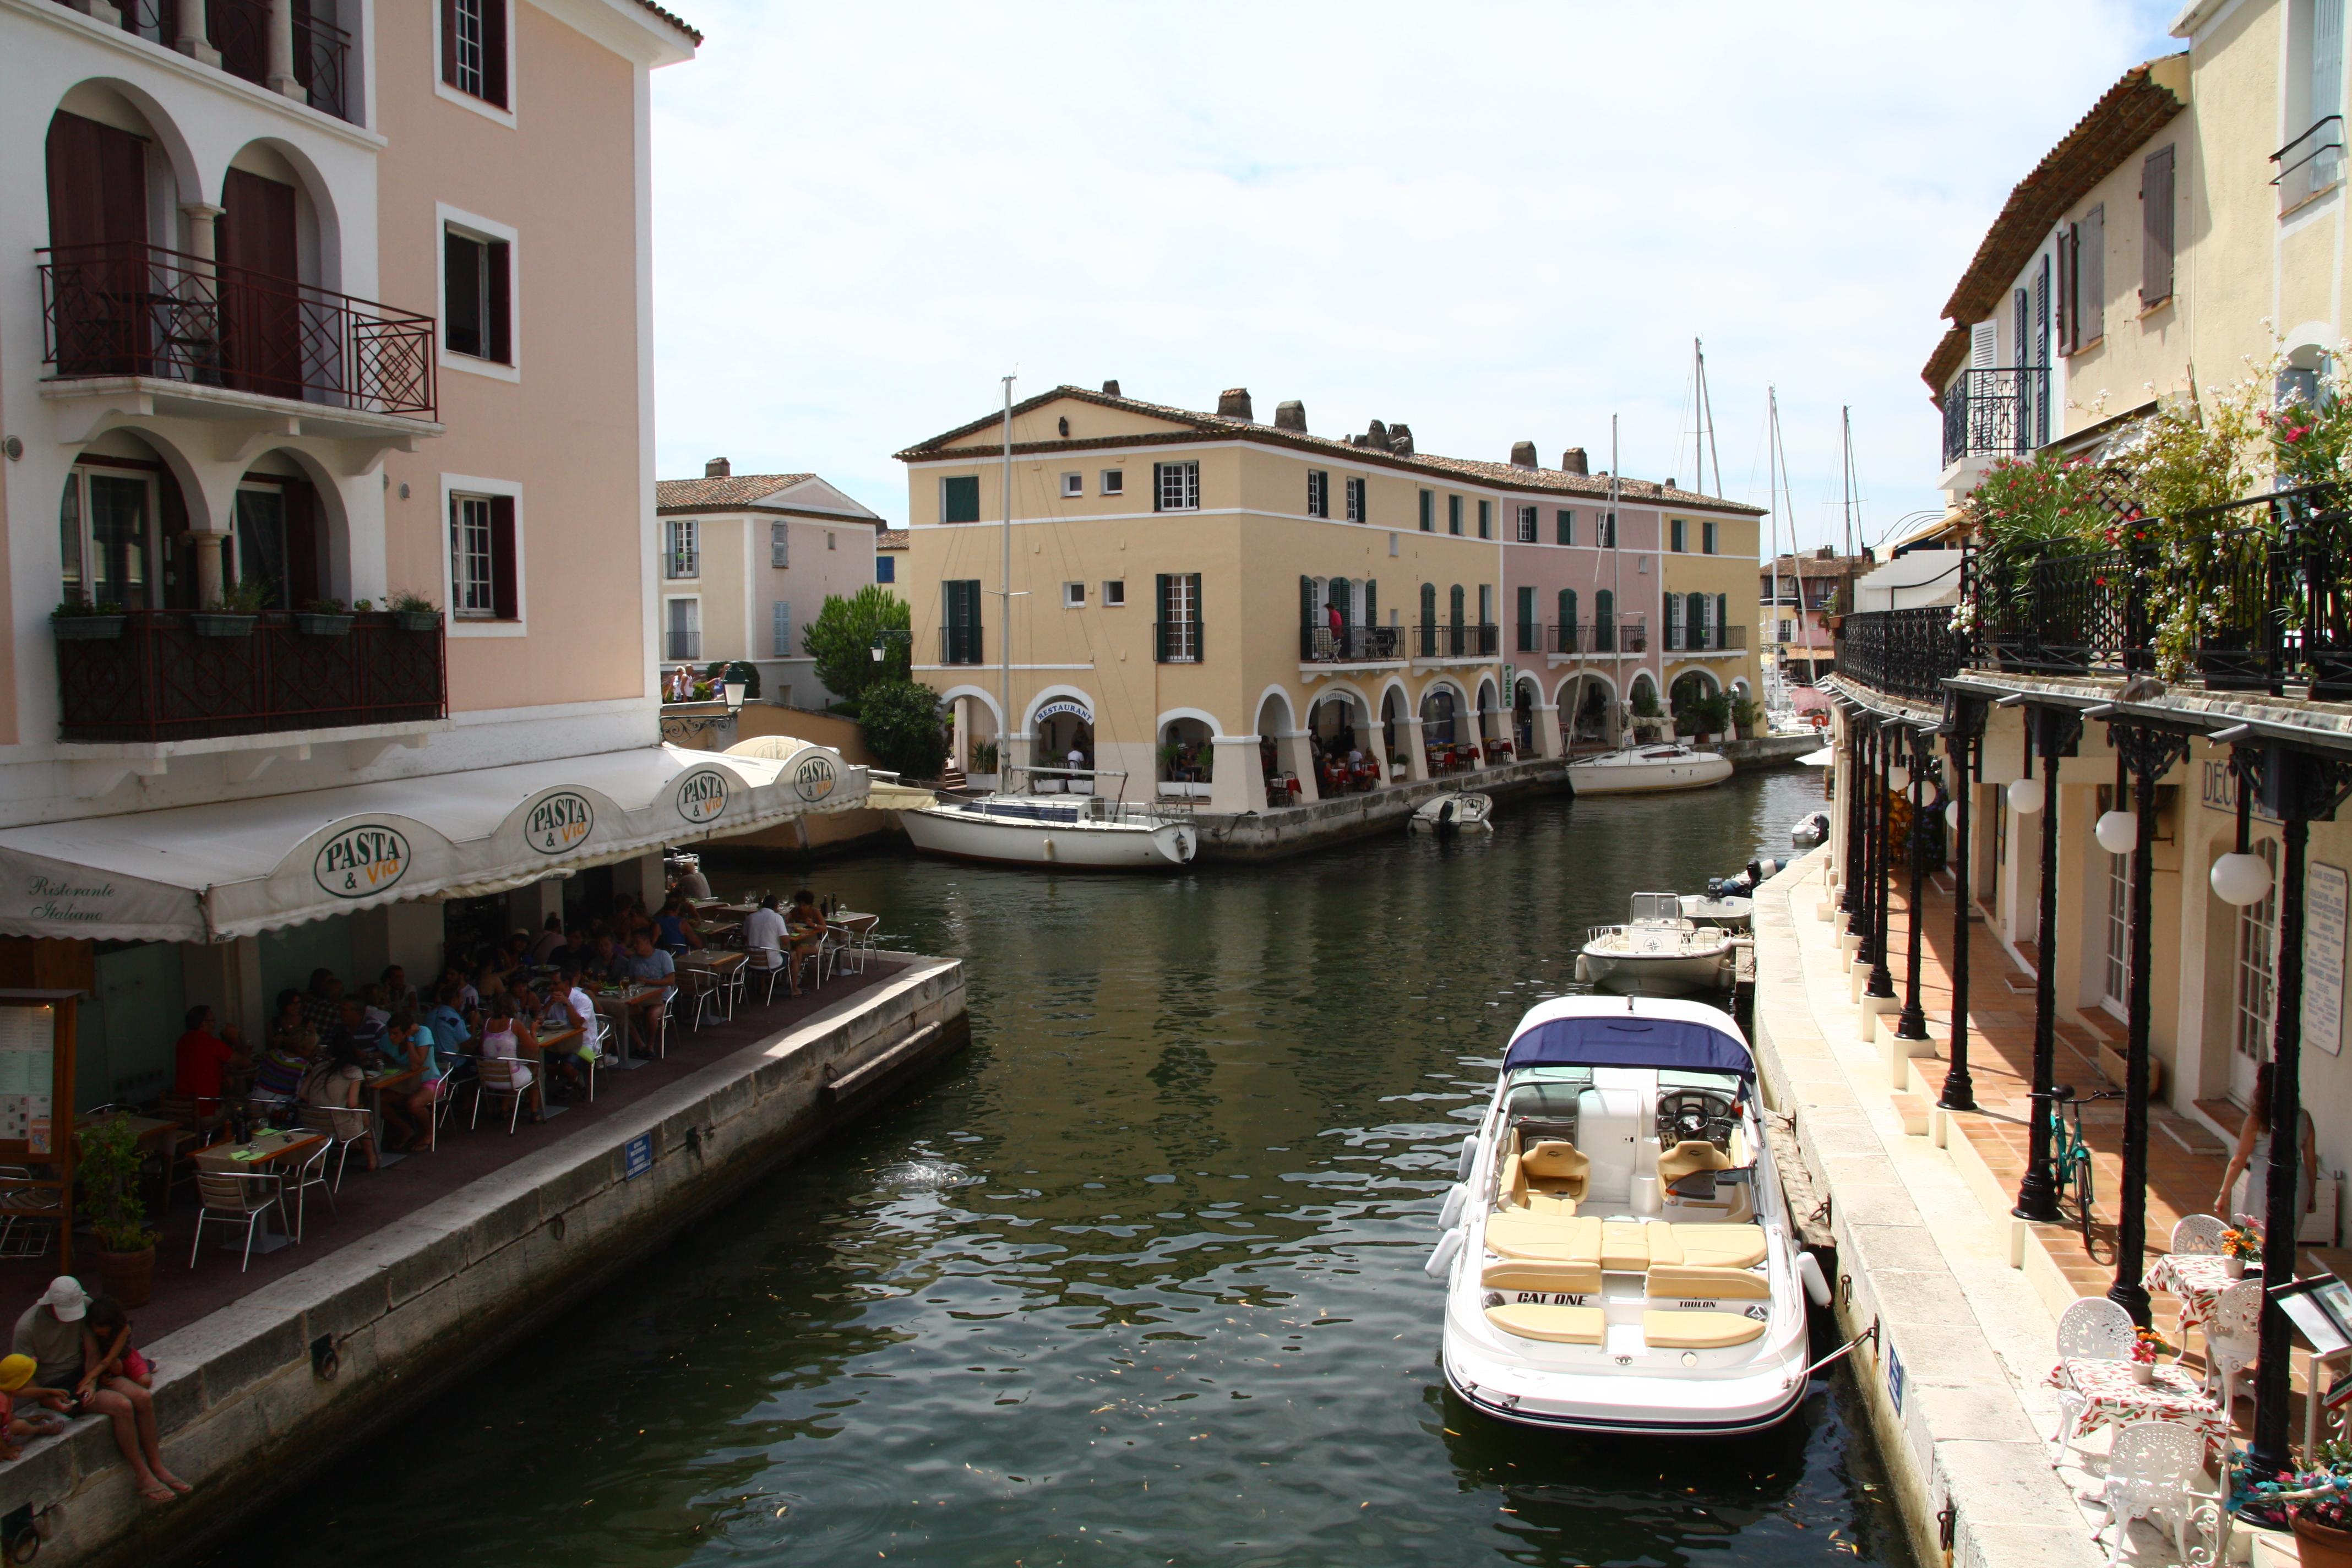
1492,222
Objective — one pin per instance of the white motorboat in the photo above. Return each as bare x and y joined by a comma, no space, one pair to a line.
1639,770
1452,812
1658,951
1727,910
1617,1254
1081,830
1809,829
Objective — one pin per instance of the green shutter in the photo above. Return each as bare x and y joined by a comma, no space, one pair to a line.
1372,601
1722,612
1199,621
1306,599
1160,607
960,498
1565,520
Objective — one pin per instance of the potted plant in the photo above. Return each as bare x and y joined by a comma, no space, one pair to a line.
413,612
2323,1525
231,614
108,1166
983,756
323,618
76,621
2241,1244
2146,1346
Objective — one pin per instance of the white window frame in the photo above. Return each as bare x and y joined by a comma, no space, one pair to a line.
1531,524
2254,1018
673,530
1186,472
790,627
1114,594
451,486
1073,485
1113,481
476,227
481,106
666,655
1074,596
1318,493
2116,973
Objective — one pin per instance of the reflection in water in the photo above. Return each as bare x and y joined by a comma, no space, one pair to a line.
1138,1280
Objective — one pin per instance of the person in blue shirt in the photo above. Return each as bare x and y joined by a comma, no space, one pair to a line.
448,1025
410,1044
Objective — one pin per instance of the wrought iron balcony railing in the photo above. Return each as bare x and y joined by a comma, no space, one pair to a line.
126,309
1350,645
1704,639
1443,639
1998,413
1904,653
157,678
2311,163
959,644
239,30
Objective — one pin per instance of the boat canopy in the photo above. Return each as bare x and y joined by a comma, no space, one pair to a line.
1629,1040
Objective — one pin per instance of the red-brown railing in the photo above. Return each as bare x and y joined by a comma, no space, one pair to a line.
126,309
159,680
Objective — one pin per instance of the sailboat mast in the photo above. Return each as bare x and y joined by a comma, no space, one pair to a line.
1771,493
1004,592
1706,426
1617,566
1845,426
1796,554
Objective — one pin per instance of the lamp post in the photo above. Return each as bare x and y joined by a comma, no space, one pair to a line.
1850,860
1967,726
1913,1024
2053,731
1881,982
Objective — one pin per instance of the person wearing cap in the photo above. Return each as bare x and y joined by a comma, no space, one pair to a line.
18,1388
49,1331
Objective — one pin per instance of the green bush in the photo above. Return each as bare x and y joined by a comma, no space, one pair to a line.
841,638
903,727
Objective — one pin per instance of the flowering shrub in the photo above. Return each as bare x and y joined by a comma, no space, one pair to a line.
2027,509
2271,1500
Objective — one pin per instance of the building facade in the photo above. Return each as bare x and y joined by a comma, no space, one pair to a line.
746,562
1796,595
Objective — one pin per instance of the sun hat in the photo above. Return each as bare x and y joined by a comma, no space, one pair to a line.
67,1299
16,1372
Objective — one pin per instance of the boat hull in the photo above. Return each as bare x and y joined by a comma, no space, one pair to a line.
1616,776
1651,974
1072,846
1566,1402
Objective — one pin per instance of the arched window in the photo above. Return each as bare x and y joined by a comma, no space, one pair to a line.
1604,621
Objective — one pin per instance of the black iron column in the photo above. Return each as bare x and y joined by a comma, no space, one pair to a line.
1881,982
1967,722
1913,1024
2298,788
1850,862
2146,754
1864,916
2054,730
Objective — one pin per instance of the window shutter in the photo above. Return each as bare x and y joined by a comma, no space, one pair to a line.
494,51
2156,228
506,597
1455,605
2091,265
498,335
780,627
1162,636
2066,301
1158,490
1722,612
1198,635
780,545
449,41
1984,345
1674,605
1567,523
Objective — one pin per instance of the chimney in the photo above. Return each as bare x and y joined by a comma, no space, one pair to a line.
1667,486
1523,454
1377,437
1826,553
1401,440
717,468
1572,461
1290,416
1110,388
1234,402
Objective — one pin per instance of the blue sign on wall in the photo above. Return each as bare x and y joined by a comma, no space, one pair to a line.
637,1156
1894,1378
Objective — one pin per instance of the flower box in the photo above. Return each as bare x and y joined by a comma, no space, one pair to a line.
321,624
89,628
417,620
222,623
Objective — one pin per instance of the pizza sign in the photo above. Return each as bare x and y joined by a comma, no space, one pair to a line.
559,823
701,797
360,861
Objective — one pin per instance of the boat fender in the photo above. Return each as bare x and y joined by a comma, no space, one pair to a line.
1583,978
1452,1210
1440,1261
1469,1158
1049,846
1817,1285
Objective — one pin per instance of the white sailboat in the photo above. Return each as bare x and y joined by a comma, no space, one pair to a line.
1617,1254
1643,770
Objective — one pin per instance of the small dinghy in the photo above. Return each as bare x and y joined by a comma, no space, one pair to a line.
1618,1254
1462,811
1658,951
1810,829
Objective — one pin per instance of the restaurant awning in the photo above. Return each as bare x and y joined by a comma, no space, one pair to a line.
210,873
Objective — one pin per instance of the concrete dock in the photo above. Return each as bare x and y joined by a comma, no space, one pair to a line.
1279,832
255,1392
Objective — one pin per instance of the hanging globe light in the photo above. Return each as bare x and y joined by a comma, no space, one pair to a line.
2241,880
1898,778
1952,816
2118,832
2025,797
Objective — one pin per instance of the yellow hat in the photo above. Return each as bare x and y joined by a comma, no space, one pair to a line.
16,1372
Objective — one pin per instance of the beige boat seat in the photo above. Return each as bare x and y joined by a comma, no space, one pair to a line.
1690,1330
1625,1245
1555,1166
1688,1158
1718,1246
1545,1237
1557,1204
1517,1276
1688,1282
1560,1325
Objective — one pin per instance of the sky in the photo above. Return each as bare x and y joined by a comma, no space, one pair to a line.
1491,222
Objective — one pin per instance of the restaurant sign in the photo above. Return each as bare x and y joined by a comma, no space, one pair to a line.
362,860
701,796
559,823
1075,709
813,780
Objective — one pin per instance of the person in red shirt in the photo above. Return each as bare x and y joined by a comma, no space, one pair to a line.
204,1058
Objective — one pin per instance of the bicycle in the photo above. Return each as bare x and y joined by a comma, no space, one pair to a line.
2069,1154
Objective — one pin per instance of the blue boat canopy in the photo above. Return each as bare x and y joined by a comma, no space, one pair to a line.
1624,1040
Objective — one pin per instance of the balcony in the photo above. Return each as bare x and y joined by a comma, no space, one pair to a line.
239,30
158,679
1904,653
122,310
1351,645
959,644
1445,639
1992,414
1705,639
2311,164
1177,642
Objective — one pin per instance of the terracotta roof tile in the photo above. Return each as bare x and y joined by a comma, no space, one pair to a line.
893,538
678,21
735,490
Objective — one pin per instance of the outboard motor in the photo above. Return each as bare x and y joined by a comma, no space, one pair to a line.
1447,827
1763,872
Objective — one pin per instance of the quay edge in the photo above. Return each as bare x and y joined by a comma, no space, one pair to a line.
1282,831
433,1295
1948,1408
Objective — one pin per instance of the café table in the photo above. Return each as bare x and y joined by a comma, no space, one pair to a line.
619,1004
2113,1396
277,1154
721,966
2197,1280
857,928
374,1088
717,931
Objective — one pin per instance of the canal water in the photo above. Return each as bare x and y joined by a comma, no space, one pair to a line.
1138,1280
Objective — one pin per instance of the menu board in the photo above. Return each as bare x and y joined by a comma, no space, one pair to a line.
2324,914
27,1074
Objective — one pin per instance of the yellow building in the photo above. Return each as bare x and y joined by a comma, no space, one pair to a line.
1708,575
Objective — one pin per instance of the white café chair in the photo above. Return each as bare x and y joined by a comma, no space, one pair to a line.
2157,1470
343,1126
765,961
310,1172
498,1079
2231,1338
2092,1329
2197,1236
236,1197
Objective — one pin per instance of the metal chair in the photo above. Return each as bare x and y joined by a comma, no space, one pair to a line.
2196,1235
2155,1469
703,989
2231,1338
499,1077
236,1197
2092,1329
29,1210
765,961
344,1125
310,1172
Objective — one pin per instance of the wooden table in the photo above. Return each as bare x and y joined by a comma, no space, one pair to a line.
619,1006
272,1154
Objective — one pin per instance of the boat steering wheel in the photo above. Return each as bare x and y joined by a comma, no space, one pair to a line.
1695,1115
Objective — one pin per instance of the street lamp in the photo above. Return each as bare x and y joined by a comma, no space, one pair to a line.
734,690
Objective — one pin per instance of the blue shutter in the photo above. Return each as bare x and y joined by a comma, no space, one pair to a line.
781,628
